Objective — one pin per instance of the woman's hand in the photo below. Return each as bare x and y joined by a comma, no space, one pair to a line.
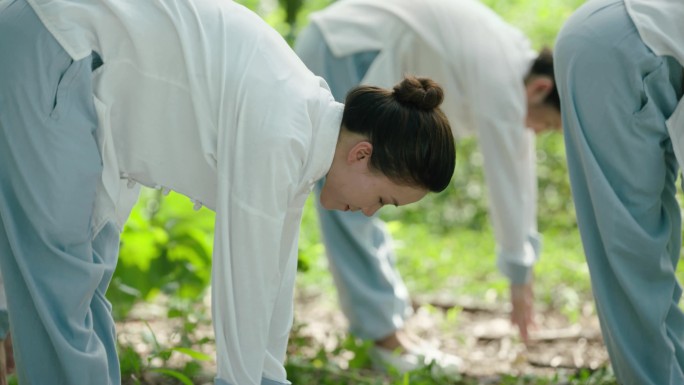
9,354
522,314
6,359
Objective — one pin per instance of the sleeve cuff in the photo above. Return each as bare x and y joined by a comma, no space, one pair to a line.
517,267
517,274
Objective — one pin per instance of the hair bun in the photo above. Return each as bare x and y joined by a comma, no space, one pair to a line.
421,93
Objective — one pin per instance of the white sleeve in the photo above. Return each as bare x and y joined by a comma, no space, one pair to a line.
257,225
390,66
247,279
263,144
508,151
498,60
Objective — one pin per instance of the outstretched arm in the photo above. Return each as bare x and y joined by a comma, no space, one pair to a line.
259,205
510,170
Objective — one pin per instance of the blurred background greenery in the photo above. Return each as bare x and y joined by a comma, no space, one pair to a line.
444,243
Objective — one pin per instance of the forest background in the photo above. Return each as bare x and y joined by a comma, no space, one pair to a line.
445,252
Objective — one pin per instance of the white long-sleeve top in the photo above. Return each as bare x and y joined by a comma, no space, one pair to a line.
661,26
481,62
204,98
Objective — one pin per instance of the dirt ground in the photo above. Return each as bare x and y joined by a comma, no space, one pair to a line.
480,335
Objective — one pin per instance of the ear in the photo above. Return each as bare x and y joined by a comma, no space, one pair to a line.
537,89
361,150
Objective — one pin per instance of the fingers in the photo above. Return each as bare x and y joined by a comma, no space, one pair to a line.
522,314
3,369
9,354
521,320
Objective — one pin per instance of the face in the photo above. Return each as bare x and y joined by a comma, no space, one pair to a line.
351,186
543,117
540,115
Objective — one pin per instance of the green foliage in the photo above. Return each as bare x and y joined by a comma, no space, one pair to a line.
291,8
445,241
349,363
540,20
134,368
323,368
166,247
325,373
310,246
287,17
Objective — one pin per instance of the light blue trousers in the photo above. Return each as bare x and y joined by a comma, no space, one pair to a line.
616,95
372,294
4,324
56,270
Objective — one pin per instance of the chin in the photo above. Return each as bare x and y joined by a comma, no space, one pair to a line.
325,203
326,199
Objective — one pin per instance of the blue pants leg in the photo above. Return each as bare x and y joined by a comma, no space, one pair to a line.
616,95
55,269
4,317
372,294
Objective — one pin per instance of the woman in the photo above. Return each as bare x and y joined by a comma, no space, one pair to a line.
497,88
619,72
198,96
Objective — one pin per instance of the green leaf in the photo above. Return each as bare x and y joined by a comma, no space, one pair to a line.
199,356
175,374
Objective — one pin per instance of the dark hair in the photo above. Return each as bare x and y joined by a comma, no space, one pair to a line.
543,66
412,140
